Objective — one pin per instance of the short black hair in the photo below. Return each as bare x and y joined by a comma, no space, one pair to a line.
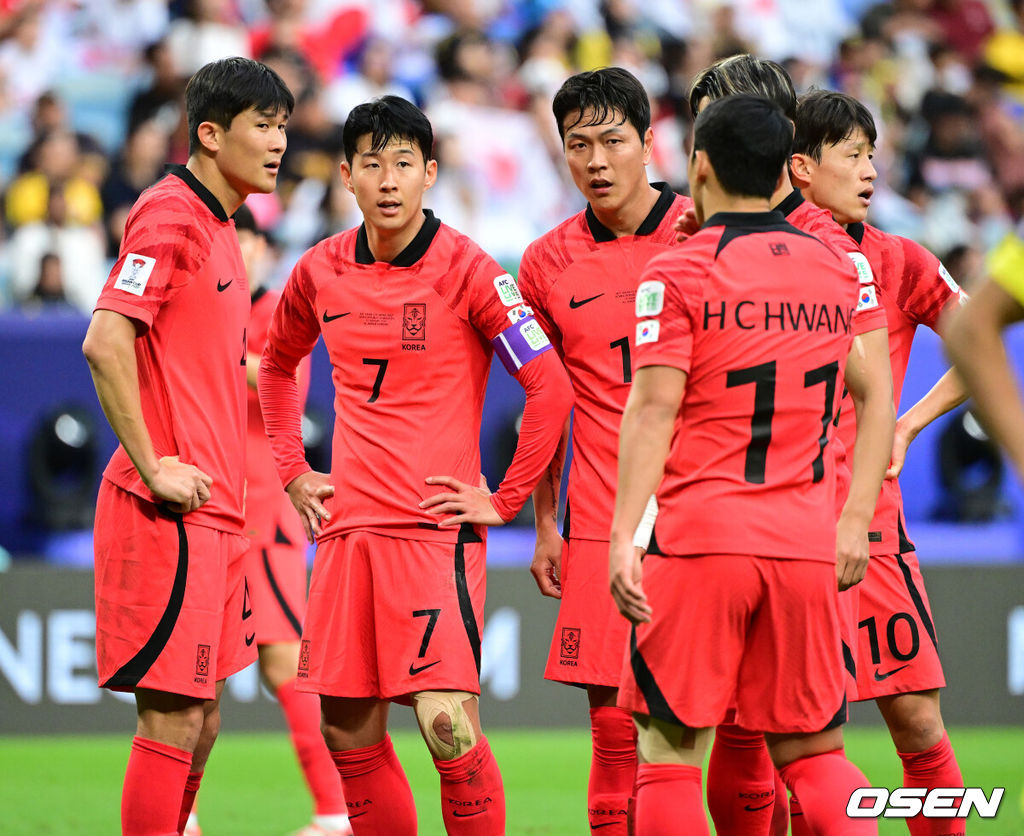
220,90
245,220
385,119
748,141
745,74
825,118
606,92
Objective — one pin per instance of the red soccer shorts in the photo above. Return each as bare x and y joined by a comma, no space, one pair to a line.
172,609
591,637
276,568
894,636
389,617
760,633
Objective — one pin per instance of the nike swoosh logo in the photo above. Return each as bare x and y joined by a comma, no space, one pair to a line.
414,670
336,316
250,639
222,287
357,815
459,815
574,304
750,809
880,676
606,824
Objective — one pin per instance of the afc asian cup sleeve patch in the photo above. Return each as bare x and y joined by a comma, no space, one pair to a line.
508,290
867,299
951,283
650,298
534,335
864,274
135,273
647,331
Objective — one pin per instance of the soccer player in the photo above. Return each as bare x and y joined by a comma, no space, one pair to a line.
973,341
166,348
739,770
275,563
409,310
580,281
729,418
891,631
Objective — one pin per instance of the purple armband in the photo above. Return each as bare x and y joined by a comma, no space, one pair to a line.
520,343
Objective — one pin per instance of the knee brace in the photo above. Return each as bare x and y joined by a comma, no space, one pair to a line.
661,742
446,727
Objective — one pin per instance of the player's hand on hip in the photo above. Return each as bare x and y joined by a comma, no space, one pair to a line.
469,503
686,224
182,487
852,554
306,493
546,567
625,571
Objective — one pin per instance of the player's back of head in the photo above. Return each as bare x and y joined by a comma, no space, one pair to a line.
744,74
605,94
825,117
387,119
222,89
747,140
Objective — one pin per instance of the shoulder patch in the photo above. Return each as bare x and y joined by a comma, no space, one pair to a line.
650,298
868,298
519,312
135,273
864,274
534,335
508,290
647,331
949,280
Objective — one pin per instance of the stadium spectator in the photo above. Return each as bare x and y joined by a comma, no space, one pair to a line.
138,167
373,77
210,30
163,350
397,591
161,95
592,260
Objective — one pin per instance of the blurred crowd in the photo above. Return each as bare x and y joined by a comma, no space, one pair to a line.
91,103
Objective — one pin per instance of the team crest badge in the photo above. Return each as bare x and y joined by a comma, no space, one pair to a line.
304,658
203,660
414,321
571,642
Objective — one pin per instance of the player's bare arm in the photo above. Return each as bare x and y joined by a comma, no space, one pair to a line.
948,393
644,439
546,566
972,338
869,380
307,493
109,348
252,370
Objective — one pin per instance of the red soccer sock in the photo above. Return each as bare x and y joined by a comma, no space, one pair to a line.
376,790
612,769
934,767
302,714
824,784
669,800
780,811
189,798
472,795
797,820
153,786
741,782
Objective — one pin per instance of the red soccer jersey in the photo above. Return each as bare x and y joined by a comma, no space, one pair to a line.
917,289
758,314
410,346
580,280
181,278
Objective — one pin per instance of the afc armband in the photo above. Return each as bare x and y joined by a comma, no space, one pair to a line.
518,344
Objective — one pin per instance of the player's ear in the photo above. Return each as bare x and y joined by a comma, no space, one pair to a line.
648,139
346,175
802,167
209,134
430,175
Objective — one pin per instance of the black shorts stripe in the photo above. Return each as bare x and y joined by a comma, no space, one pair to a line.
915,596
848,661
840,717
131,672
565,522
657,705
462,590
282,603
905,544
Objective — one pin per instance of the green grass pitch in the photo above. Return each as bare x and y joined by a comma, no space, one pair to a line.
63,785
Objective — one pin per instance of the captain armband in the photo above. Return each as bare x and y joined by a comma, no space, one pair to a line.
518,344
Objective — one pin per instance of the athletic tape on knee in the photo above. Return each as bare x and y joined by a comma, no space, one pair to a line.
429,705
661,742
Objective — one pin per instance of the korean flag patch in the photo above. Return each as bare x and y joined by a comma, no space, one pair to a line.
867,299
647,331
135,273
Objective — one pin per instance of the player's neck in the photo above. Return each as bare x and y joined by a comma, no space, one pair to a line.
626,220
785,189
206,172
717,201
387,244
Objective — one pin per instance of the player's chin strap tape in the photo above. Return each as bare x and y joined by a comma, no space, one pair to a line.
642,536
454,724
518,344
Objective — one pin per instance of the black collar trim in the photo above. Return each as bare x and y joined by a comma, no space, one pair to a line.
856,232
602,234
747,219
201,191
258,294
791,202
413,252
